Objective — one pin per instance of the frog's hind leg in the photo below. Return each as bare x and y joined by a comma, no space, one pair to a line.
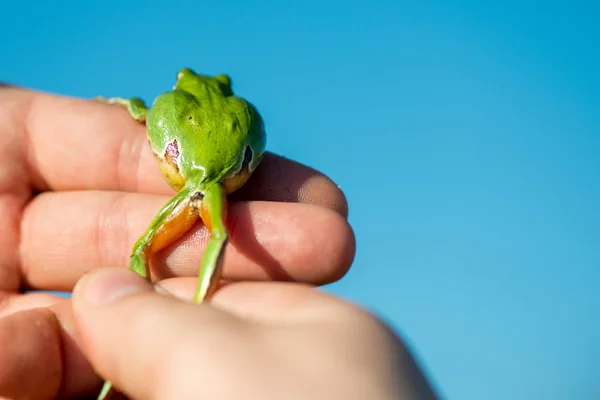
213,211
172,221
135,106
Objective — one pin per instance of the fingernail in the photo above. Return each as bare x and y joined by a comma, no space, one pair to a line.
106,285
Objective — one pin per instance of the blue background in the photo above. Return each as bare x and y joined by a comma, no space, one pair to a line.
466,136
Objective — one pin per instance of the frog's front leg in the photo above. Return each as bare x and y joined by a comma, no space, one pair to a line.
135,106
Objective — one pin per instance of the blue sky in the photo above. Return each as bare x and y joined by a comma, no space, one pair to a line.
465,134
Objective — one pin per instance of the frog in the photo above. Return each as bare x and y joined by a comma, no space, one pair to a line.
207,142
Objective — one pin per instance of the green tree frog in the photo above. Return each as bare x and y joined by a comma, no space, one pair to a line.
207,142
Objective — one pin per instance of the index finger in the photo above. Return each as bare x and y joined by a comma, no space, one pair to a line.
76,144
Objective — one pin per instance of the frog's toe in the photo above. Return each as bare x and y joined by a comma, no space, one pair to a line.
112,101
100,99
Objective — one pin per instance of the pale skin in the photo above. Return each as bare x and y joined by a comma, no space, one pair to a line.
79,185
254,341
207,142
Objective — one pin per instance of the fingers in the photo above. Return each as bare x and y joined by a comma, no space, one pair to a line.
66,234
14,188
30,354
77,144
152,363
270,303
280,179
40,357
153,346
78,376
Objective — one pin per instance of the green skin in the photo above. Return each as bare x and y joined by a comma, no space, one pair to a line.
208,142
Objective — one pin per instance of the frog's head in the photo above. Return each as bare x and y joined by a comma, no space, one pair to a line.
192,82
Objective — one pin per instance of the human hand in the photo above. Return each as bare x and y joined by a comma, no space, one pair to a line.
79,184
253,341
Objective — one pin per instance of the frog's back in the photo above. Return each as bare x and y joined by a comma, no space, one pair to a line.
210,133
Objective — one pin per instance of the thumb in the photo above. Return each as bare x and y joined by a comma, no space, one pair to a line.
147,343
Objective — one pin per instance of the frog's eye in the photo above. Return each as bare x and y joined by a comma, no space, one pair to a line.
223,79
225,83
184,72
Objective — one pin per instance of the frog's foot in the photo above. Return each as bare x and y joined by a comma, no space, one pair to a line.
102,100
110,393
138,263
135,106
113,101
